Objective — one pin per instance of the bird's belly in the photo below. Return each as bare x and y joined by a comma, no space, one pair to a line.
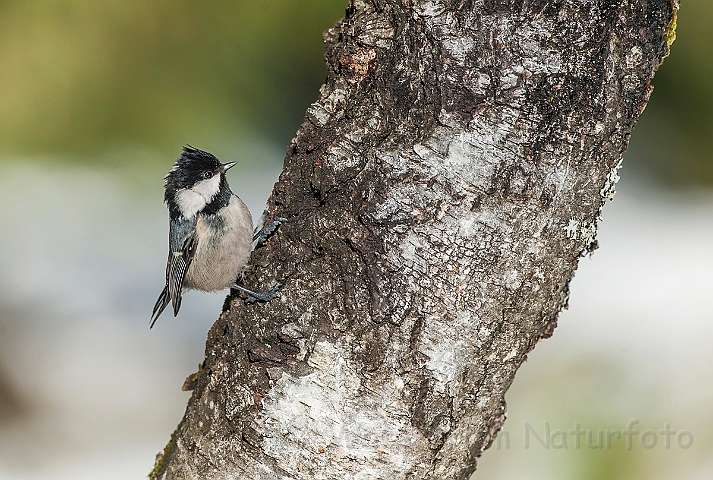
223,249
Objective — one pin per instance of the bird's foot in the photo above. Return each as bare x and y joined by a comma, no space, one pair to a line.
260,238
253,297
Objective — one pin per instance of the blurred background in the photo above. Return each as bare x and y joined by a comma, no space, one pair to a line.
96,100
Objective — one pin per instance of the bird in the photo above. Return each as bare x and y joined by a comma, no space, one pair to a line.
210,231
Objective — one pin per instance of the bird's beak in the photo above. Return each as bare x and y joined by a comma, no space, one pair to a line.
227,166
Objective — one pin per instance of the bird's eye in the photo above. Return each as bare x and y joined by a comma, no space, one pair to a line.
207,174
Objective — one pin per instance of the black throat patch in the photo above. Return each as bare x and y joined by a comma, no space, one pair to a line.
221,199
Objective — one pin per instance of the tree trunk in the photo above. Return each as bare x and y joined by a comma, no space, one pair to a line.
438,197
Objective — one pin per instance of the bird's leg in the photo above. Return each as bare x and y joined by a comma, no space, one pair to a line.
260,238
271,294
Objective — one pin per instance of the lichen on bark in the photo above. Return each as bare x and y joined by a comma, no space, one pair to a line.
438,196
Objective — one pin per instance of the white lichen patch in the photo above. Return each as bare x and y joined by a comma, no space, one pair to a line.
634,57
329,108
458,47
581,230
428,8
329,409
342,156
511,278
609,189
473,161
447,344
572,229
588,232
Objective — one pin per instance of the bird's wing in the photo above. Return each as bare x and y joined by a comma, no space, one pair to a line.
182,247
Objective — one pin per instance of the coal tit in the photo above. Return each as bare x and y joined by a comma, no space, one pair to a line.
211,231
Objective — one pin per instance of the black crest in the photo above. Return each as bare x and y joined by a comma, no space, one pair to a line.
187,169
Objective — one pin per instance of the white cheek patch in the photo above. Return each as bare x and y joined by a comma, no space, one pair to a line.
193,200
208,188
190,202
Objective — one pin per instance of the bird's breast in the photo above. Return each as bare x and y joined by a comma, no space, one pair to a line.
223,247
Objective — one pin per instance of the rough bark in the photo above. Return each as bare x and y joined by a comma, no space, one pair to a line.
438,197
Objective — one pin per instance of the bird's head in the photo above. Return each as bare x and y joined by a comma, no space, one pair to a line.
195,181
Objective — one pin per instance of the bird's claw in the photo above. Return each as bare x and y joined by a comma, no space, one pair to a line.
253,297
271,294
260,238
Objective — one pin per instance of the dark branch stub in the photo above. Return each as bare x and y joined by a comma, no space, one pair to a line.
438,197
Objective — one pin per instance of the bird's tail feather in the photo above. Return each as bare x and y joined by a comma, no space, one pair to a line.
161,303
176,305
